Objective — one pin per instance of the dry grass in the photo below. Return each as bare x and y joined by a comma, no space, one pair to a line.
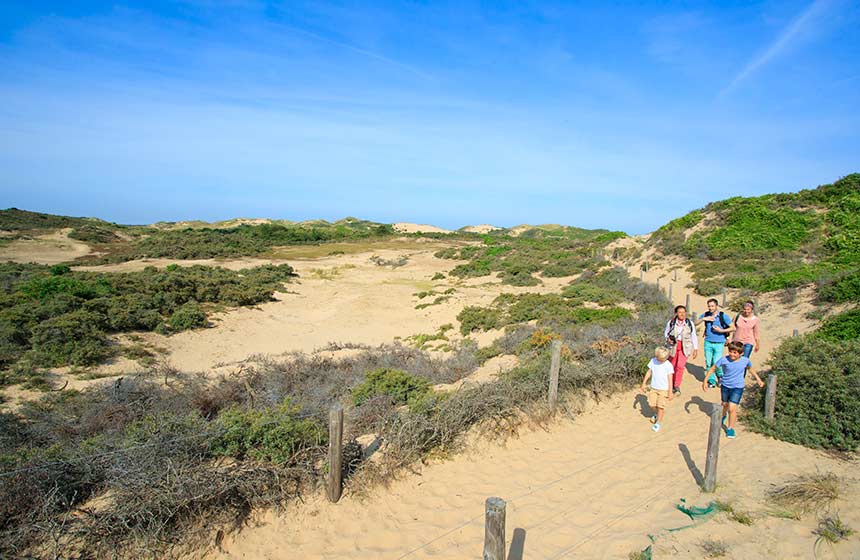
714,548
808,493
831,529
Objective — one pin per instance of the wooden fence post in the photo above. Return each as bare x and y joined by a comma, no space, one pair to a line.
687,304
641,275
494,529
770,397
555,365
794,332
724,297
675,275
710,482
670,291
335,455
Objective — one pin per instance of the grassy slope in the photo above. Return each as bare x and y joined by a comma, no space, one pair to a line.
774,241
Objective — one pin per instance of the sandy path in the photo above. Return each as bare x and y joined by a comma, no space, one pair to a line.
592,487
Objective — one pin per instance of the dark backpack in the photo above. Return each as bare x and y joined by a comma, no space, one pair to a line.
721,317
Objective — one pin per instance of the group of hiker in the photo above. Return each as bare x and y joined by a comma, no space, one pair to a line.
666,369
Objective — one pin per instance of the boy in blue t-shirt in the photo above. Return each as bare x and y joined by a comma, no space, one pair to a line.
735,366
718,325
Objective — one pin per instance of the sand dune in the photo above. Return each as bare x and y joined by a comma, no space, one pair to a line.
406,227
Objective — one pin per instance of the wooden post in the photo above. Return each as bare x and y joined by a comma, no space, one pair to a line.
641,275
335,455
658,283
687,304
710,482
555,365
670,290
794,332
770,397
494,529
724,297
675,275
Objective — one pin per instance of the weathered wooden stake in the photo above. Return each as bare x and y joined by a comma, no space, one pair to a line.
554,366
724,297
794,332
641,274
710,482
658,284
675,275
335,456
687,304
670,291
770,397
494,529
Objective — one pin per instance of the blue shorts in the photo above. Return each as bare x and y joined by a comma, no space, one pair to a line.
732,395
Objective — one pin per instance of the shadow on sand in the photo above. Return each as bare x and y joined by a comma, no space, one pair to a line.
694,470
518,544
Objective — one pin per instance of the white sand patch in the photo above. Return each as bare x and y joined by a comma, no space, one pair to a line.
406,227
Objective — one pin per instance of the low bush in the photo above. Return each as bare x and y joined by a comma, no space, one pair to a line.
844,326
819,394
399,386
187,316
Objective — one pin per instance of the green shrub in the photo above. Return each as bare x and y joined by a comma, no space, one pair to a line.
844,326
400,386
840,288
91,233
73,338
188,316
272,434
819,393
473,318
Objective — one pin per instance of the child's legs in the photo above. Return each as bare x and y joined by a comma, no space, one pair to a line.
731,397
748,348
733,415
679,362
660,411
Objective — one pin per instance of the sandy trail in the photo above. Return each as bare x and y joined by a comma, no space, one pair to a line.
51,248
595,486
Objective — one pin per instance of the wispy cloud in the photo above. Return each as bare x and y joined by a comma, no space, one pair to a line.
786,39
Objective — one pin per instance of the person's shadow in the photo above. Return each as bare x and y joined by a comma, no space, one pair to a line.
518,544
694,470
704,406
696,371
642,402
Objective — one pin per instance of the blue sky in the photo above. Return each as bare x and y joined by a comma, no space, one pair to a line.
590,114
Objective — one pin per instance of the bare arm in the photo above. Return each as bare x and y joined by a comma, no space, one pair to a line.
757,378
645,379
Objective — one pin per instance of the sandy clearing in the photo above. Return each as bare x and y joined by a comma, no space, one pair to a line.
50,248
481,228
406,227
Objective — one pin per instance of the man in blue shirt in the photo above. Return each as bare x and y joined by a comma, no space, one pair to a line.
717,327
735,366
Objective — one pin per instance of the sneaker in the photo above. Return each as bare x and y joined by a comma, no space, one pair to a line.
676,390
656,427
711,384
654,419
730,433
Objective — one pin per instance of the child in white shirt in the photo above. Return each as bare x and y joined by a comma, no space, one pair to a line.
660,371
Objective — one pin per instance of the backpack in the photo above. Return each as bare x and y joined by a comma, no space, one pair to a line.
721,318
687,320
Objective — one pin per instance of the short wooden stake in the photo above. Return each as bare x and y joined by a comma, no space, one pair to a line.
687,304
554,366
641,274
675,275
794,332
724,297
335,455
710,482
670,291
770,397
494,529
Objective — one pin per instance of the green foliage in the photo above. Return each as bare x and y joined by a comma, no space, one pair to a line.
774,242
401,387
844,326
473,318
13,219
819,393
92,233
62,317
272,434
187,316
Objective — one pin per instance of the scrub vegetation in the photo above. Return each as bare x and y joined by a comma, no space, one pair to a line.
52,316
774,241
